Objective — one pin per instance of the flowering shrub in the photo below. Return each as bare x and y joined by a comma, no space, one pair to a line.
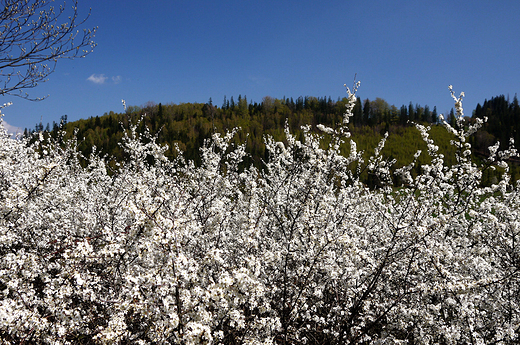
162,251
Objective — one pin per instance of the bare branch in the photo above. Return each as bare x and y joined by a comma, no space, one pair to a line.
34,35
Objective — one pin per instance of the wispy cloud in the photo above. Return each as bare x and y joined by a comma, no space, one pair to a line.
97,78
101,79
12,130
117,79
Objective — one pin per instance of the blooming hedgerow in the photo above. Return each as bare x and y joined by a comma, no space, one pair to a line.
161,251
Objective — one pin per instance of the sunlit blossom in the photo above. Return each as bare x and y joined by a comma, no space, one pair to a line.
302,251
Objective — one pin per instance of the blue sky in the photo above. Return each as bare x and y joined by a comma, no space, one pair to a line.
173,51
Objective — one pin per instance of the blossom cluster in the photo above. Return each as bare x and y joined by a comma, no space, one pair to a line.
163,251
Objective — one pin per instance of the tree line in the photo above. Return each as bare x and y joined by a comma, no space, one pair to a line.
186,126
503,121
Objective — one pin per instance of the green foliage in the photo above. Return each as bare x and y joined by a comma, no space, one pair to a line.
186,126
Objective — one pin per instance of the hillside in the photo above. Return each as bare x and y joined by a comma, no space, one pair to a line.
187,125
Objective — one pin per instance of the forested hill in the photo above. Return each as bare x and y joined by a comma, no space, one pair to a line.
503,121
189,124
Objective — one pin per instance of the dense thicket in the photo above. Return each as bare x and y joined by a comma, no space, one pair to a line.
164,251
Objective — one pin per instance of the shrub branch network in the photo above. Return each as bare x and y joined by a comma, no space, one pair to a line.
163,251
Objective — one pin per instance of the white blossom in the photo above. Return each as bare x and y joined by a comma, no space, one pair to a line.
299,252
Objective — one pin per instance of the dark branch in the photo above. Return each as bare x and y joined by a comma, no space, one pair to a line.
34,35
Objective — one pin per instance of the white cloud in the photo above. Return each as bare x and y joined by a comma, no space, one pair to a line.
97,78
101,79
117,79
12,130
